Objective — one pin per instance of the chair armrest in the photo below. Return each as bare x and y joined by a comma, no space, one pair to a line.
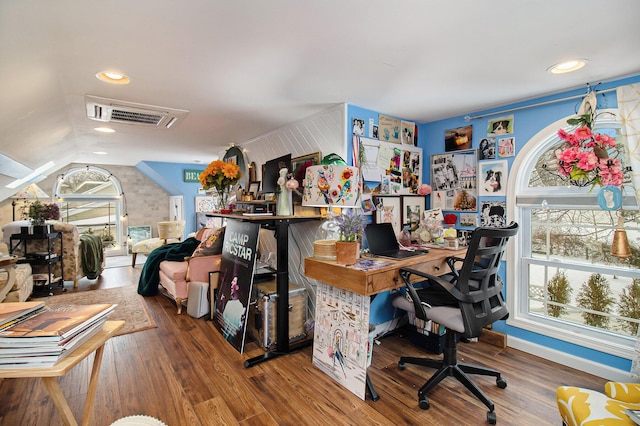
418,306
198,267
627,392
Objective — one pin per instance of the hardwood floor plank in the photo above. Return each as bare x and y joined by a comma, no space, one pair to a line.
184,373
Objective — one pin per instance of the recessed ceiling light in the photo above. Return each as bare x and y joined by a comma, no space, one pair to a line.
568,66
113,77
104,130
100,152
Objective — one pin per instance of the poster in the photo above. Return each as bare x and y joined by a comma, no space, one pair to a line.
341,346
454,181
239,251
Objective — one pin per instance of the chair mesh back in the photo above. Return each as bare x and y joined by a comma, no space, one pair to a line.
478,280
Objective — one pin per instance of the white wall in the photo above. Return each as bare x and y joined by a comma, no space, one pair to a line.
324,132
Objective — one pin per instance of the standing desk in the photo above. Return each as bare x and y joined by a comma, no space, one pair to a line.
374,281
280,224
50,375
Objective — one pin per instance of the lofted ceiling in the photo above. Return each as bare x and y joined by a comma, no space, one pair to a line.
244,68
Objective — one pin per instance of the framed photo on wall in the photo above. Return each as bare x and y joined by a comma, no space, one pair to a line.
298,167
494,178
389,210
413,206
454,180
136,234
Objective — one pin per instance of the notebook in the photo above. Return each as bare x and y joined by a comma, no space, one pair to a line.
382,241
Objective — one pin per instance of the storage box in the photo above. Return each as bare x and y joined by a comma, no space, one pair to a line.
428,335
262,322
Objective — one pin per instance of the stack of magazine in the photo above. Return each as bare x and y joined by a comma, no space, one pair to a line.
33,335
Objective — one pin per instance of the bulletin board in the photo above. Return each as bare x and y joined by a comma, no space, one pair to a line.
397,167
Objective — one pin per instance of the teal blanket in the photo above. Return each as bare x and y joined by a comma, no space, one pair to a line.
150,275
91,255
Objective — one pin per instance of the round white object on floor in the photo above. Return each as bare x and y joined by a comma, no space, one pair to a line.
138,421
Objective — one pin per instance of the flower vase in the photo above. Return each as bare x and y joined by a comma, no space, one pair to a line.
347,252
222,199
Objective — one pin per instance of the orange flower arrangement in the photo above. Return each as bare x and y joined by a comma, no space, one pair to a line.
220,175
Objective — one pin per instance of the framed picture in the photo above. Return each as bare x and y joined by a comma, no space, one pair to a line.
135,234
413,206
458,139
389,210
500,126
494,178
204,204
298,167
254,187
454,181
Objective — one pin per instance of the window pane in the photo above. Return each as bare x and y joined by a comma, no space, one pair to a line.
90,182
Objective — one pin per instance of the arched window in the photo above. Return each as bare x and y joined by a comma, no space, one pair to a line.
563,281
91,198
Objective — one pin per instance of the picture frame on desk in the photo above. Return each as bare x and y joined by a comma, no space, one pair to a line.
389,210
413,206
254,187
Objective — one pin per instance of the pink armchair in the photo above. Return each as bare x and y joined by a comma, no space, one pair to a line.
203,266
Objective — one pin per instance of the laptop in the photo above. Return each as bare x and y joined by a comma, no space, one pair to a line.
382,241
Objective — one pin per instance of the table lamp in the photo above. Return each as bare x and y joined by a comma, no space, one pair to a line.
330,186
31,192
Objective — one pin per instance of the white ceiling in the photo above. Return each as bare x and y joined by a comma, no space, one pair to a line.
243,68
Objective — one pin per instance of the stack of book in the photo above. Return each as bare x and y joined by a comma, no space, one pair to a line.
33,335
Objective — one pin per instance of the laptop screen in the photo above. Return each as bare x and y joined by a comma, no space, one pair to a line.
381,238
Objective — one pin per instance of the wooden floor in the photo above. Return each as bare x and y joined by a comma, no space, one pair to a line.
184,373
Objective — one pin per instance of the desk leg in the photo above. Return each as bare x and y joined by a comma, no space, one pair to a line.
372,391
93,386
282,289
59,401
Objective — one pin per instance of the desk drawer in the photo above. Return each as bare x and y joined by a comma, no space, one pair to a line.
434,267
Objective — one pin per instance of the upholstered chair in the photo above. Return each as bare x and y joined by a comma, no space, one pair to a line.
580,406
168,232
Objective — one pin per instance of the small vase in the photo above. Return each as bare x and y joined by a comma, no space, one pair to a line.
347,253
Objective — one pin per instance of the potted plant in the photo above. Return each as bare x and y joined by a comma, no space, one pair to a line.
350,227
221,176
39,213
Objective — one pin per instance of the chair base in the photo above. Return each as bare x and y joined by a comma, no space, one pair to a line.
448,366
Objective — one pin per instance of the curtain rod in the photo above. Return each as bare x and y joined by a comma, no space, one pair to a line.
474,117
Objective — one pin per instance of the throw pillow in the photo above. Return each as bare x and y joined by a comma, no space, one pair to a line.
211,244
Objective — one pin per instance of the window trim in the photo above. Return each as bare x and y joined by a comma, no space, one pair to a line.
517,265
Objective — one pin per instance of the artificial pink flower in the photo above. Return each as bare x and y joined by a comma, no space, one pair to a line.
583,133
424,189
587,161
604,140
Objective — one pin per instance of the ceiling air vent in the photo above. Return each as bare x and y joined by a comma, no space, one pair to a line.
112,110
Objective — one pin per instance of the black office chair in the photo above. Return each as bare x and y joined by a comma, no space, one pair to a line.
464,301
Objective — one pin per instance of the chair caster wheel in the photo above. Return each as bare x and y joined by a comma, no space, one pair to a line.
401,365
491,418
424,403
502,383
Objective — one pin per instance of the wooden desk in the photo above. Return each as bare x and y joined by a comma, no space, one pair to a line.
367,284
280,224
372,282
49,374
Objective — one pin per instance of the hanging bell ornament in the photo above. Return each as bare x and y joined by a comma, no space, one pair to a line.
620,246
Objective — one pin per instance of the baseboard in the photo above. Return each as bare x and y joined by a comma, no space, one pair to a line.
572,361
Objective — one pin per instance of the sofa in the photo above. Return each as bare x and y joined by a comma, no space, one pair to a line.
23,284
73,251
580,406
202,266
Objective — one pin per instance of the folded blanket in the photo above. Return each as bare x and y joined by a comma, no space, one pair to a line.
150,275
91,258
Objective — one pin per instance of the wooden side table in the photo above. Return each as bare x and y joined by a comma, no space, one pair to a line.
49,375
7,263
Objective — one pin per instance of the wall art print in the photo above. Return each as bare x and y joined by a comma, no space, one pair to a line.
454,181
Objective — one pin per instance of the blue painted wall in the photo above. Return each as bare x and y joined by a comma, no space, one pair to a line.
170,177
527,122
